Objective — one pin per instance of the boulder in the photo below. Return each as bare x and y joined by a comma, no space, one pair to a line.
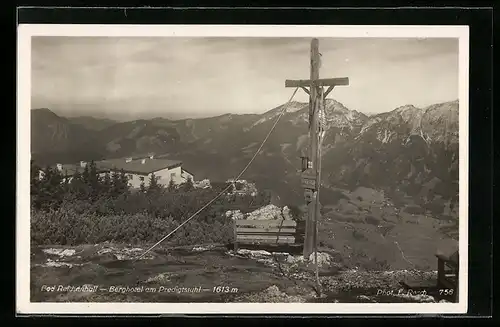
268,212
286,213
235,214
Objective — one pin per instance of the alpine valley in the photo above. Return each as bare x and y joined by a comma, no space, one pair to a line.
406,152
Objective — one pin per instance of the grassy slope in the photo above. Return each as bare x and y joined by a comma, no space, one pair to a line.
369,232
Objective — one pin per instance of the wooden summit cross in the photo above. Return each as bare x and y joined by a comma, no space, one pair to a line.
311,173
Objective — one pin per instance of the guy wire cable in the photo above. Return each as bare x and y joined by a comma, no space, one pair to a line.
227,187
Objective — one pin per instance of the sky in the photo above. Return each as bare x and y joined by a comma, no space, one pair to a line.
174,77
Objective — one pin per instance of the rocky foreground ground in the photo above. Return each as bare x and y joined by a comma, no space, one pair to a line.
110,273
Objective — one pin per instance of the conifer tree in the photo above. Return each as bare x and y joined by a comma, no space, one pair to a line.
106,183
171,186
188,185
93,174
94,180
119,181
124,186
86,175
34,183
115,181
50,193
65,182
77,186
142,187
154,186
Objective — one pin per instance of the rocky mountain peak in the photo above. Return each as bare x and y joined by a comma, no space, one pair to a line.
337,115
407,113
333,105
440,122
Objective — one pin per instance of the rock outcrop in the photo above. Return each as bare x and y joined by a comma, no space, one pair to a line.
269,212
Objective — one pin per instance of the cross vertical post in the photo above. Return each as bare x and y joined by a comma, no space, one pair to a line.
311,177
314,101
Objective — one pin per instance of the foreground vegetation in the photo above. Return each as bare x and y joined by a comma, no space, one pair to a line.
93,209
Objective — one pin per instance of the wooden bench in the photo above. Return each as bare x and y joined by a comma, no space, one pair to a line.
266,233
448,271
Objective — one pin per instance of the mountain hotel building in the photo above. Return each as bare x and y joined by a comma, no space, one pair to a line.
138,170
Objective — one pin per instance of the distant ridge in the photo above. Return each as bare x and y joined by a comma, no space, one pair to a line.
403,148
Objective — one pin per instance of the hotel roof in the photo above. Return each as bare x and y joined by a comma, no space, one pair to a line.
137,166
71,169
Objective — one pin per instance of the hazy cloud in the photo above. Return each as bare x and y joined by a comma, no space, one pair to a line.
131,77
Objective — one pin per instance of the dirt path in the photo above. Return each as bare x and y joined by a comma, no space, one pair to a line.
108,273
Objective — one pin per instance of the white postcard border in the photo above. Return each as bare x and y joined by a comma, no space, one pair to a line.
26,31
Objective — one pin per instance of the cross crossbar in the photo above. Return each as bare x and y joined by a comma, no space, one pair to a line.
319,82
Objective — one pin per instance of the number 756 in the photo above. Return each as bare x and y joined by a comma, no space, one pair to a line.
446,291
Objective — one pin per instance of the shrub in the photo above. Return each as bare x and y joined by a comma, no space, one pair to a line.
296,213
376,265
435,207
414,210
239,186
372,220
368,263
92,210
66,226
359,235
188,185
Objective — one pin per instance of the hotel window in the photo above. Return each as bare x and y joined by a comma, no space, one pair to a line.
141,178
158,177
172,175
130,177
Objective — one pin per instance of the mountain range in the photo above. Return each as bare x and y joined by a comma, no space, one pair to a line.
407,151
